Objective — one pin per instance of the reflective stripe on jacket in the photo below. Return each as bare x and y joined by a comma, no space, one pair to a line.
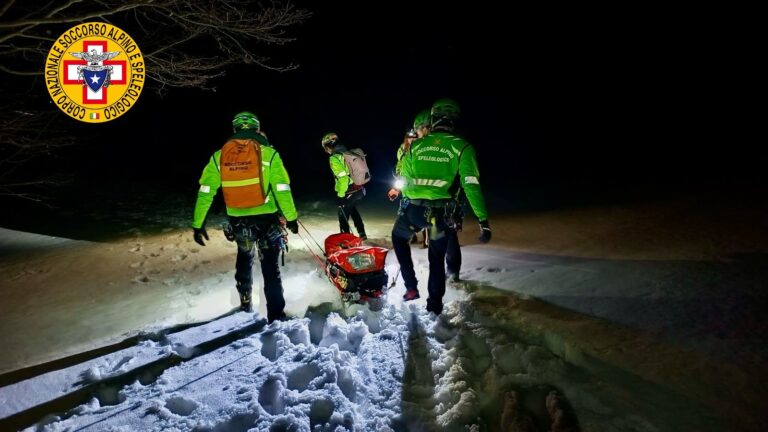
432,165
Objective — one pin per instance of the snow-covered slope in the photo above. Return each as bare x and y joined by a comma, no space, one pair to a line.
617,338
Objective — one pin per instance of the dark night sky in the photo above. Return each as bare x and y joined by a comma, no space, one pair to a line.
571,101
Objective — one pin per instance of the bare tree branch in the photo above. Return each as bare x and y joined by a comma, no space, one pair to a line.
171,33
25,137
185,43
42,38
25,190
6,6
59,9
64,20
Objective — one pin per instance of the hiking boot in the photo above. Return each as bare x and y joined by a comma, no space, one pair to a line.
363,237
436,309
245,302
451,276
411,294
279,317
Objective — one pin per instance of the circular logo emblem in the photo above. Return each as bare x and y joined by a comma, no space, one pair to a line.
95,72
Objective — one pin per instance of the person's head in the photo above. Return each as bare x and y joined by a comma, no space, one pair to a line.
328,141
421,123
444,113
246,121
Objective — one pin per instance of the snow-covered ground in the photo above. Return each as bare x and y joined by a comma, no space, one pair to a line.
632,318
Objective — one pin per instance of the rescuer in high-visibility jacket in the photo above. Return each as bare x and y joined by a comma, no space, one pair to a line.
256,190
348,194
419,130
432,170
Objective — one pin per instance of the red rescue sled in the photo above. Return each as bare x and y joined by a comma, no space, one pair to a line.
357,271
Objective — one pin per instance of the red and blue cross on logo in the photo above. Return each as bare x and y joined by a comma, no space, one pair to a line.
94,91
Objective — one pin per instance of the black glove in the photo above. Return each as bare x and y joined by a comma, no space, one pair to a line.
199,235
341,201
485,232
293,226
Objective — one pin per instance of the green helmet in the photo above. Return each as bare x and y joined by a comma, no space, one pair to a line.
421,120
445,108
246,120
329,139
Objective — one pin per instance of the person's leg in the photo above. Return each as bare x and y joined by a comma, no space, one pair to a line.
352,200
270,270
438,244
359,226
403,254
453,255
401,232
343,219
244,265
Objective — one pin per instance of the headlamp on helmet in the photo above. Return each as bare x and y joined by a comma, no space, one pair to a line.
329,139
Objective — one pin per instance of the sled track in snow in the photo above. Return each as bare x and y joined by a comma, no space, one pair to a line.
19,375
107,390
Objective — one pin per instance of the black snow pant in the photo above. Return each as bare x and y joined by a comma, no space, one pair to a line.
453,252
260,234
349,209
455,221
412,218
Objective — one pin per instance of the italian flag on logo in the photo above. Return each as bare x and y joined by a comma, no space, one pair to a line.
94,116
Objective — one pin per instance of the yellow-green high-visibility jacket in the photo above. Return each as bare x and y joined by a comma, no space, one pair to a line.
400,153
431,166
340,171
277,184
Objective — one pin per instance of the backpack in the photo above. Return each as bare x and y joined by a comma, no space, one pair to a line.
241,174
358,167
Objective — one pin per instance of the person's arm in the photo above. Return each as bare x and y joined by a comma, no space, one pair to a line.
406,171
281,187
469,176
210,181
341,174
399,163
394,191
